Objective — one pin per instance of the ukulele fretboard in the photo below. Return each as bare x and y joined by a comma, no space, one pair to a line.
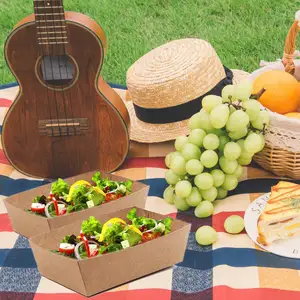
50,24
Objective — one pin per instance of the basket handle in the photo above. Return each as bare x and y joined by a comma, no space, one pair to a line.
290,45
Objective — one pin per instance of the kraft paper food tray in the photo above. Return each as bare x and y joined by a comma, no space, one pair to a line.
28,224
94,275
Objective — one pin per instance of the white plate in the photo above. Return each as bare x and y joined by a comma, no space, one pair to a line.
287,248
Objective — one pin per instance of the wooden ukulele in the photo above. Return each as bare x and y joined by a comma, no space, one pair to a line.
65,120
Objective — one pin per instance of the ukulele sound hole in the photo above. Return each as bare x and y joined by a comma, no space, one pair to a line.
57,71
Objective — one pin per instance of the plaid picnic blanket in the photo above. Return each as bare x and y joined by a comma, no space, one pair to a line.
233,268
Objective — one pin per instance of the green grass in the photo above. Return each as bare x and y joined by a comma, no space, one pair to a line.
242,31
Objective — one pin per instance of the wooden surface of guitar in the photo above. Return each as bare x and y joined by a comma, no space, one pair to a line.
60,129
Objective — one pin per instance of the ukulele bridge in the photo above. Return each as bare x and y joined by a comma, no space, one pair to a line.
63,127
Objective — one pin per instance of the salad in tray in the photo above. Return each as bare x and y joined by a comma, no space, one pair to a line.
116,234
64,199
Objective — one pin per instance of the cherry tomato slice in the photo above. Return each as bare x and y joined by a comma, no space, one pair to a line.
148,236
39,210
112,196
66,251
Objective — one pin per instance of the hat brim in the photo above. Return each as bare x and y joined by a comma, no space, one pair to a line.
155,133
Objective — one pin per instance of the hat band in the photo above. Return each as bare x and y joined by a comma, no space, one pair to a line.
182,111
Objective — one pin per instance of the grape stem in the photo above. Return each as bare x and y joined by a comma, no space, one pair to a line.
189,178
258,95
263,131
238,106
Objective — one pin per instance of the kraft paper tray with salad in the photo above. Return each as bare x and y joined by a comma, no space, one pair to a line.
64,199
114,235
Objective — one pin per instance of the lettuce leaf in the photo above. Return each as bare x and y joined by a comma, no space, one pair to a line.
102,183
80,194
60,187
40,199
97,178
111,235
139,221
76,207
70,239
168,223
128,185
110,248
131,215
91,226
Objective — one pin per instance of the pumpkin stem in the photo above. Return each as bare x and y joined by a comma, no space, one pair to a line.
258,95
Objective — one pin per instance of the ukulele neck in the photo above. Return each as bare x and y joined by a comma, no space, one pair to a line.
51,26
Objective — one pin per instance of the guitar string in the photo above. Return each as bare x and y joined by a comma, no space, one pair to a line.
60,73
64,23
35,7
51,63
66,67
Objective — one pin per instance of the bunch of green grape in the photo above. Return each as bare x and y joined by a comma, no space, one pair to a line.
224,136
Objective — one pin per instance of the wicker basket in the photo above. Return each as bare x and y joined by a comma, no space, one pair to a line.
281,154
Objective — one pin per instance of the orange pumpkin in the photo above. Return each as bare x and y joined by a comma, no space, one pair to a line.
282,91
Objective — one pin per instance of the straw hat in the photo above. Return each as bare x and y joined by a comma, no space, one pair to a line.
166,86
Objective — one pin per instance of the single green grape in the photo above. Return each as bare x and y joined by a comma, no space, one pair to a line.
169,194
180,142
237,120
244,161
168,160
218,177
232,151
178,165
204,181
171,177
253,143
230,182
222,193
194,198
252,109
194,167
210,194
243,90
238,172
204,209
263,118
223,141
219,116
228,166
262,138
228,93
190,151
183,188
211,142
209,158
211,101
180,203
236,135
205,123
196,137
195,121
244,153
234,224
206,235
